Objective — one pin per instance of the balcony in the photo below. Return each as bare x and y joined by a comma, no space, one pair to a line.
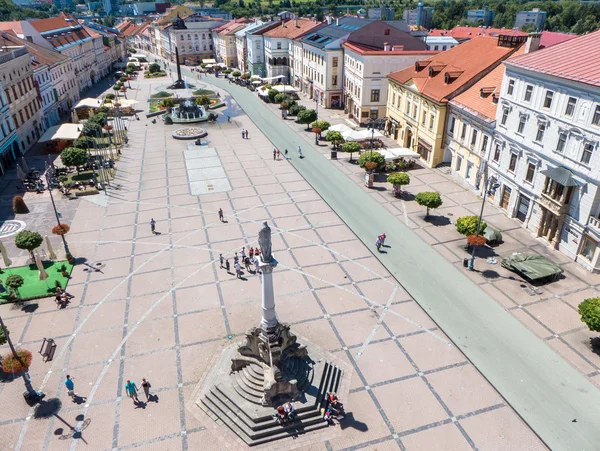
594,224
553,205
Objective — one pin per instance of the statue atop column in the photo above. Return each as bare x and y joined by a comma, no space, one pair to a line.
264,241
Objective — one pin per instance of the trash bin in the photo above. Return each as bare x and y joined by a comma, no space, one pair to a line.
334,154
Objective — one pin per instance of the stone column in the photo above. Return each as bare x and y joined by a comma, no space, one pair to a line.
269,320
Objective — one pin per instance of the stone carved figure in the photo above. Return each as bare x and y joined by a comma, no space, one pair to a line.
264,241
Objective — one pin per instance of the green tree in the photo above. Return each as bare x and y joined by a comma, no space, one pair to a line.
28,240
280,98
307,117
334,138
272,94
323,125
429,199
589,310
467,225
350,147
3,336
203,101
295,109
154,68
74,156
376,157
398,179
84,142
14,282
236,74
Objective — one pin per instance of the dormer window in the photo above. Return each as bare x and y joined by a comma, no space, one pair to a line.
449,77
436,69
420,65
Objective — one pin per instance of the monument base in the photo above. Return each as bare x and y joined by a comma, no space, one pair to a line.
236,397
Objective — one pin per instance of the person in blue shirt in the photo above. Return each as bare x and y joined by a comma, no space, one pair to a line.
131,390
70,386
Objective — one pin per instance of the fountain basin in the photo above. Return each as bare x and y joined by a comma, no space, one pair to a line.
189,133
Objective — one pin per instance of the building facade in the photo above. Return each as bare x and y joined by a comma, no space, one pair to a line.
419,17
255,48
192,39
10,150
224,42
483,16
440,43
546,154
534,19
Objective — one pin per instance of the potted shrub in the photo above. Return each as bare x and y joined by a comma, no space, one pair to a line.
16,363
14,282
19,206
371,156
63,271
61,229
428,199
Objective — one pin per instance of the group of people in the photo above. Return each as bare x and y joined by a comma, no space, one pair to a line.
130,387
333,409
243,259
285,413
244,133
61,297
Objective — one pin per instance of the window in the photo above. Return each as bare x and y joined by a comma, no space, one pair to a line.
548,99
463,132
512,165
473,138
374,95
458,163
334,80
504,116
511,87
540,132
586,156
334,61
528,92
484,144
521,126
423,117
530,172
469,170
570,109
588,248
278,45
595,119
452,124
431,120
414,111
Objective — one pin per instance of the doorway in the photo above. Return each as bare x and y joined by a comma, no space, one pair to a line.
505,200
523,208
408,138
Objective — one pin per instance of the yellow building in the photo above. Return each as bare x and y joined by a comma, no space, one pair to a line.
418,96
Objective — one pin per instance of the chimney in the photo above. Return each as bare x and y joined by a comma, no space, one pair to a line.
296,20
533,42
387,47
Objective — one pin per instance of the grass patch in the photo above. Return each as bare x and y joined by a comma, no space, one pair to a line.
204,92
33,287
155,75
153,107
161,95
86,176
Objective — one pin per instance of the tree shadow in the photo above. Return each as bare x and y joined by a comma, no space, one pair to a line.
350,422
47,408
595,345
379,188
437,221
30,307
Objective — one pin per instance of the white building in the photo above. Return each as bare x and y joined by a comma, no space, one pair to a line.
440,43
255,49
545,153
241,45
535,18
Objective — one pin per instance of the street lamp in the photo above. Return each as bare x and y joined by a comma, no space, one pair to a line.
49,174
491,186
371,127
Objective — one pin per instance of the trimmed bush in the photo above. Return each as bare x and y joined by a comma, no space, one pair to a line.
323,125
110,96
19,205
203,100
161,95
307,117
429,199
12,364
467,225
14,282
272,94
280,98
203,92
167,103
294,110
371,156
28,240
589,310
398,179
154,68
334,138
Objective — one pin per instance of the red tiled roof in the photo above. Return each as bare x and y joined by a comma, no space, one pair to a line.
92,32
550,38
368,50
231,27
12,26
53,23
43,56
472,32
463,64
490,84
289,30
575,60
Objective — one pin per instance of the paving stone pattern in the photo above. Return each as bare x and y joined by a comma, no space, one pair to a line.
161,308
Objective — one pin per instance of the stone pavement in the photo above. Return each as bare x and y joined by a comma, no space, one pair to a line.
161,308
550,312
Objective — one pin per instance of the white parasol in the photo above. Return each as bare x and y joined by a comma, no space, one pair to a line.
20,173
38,262
24,163
339,128
7,261
51,253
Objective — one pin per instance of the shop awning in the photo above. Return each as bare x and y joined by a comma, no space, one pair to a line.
62,132
89,103
278,77
209,61
284,88
561,175
403,152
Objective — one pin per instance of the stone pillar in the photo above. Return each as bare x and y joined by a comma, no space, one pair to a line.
269,320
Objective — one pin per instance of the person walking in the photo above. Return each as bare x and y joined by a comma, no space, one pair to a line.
243,134
227,266
278,154
274,153
146,387
221,214
221,260
131,390
70,387
247,134
238,271
153,226
236,259
243,252
299,152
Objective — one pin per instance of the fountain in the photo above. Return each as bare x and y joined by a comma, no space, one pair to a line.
187,111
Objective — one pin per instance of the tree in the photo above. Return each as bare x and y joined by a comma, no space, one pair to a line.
429,199
110,96
3,337
14,282
203,101
307,117
334,138
74,156
236,74
323,125
84,142
91,129
272,94
398,180
350,147
154,68
28,240
295,109
280,98
467,225
371,156
589,310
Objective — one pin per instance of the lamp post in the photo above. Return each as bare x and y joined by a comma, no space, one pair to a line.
31,397
371,127
491,186
49,175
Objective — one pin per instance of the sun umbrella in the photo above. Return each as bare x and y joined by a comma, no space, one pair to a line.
339,128
7,261
51,253
354,135
20,173
24,163
38,262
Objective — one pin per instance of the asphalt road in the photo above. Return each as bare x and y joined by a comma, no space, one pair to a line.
540,385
